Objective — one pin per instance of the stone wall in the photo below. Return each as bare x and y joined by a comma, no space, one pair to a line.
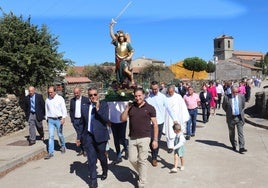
12,117
231,71
84,87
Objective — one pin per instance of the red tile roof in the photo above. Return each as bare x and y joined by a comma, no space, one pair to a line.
72,80
248,55
244,64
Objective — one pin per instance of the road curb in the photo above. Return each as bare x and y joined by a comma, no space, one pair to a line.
256,124
18,162
35,154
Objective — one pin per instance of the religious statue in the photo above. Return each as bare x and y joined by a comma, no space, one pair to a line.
123,56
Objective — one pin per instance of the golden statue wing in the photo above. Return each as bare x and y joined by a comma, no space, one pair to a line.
128,38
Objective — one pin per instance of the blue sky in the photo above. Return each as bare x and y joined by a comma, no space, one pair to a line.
168,30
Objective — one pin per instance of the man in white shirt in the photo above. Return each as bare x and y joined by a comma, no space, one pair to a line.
56,113
75,115
220,93
178,106
159,101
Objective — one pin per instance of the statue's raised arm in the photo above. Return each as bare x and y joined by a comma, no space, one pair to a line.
112,30
123,56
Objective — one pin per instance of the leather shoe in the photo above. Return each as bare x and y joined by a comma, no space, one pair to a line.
126,154
154,162
42,138
242,150
104,176
118,160
93,185
31,143
234,148
48,156
80,153
62,149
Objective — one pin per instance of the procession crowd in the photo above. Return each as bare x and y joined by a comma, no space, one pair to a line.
170,111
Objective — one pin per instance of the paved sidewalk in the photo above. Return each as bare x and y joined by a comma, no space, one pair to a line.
207,161
14,149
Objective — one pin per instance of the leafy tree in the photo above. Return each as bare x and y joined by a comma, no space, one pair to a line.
211,67
155,72
108,64
28,55
99,73
71,71
263,64
194,64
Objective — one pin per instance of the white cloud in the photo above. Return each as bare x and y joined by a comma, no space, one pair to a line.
147,9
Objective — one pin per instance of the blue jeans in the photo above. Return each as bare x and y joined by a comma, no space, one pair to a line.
52,124
191,124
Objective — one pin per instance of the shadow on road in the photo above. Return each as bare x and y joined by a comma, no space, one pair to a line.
72,146
165,164
80,169
121,173
214,143
124,174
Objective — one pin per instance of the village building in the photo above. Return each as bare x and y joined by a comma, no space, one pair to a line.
233,64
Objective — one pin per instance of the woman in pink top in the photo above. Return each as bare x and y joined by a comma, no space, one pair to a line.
214,97
242,88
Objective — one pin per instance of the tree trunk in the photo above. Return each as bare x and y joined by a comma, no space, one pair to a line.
193,75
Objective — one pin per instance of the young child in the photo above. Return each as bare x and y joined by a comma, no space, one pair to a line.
178,148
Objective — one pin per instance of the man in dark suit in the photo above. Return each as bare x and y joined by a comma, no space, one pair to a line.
75,114
35,113
182,89
95,116
205,98
234,105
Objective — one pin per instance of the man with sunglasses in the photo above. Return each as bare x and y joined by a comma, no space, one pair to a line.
94,115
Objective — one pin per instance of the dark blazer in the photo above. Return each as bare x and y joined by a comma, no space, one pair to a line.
72,106
181,91
227,107
99,122
205,101
39,107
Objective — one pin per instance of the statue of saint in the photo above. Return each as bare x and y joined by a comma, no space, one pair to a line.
123,56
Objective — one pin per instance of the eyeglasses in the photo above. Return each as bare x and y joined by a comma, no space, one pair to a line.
95,94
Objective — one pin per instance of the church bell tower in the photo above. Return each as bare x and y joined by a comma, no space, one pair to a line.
223,47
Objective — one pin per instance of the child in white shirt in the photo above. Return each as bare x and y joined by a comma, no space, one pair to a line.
178,148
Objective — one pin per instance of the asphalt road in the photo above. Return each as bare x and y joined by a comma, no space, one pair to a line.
209,162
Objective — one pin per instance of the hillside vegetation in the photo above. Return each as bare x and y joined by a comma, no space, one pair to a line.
182,73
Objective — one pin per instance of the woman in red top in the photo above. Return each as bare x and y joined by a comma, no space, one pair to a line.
214,97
